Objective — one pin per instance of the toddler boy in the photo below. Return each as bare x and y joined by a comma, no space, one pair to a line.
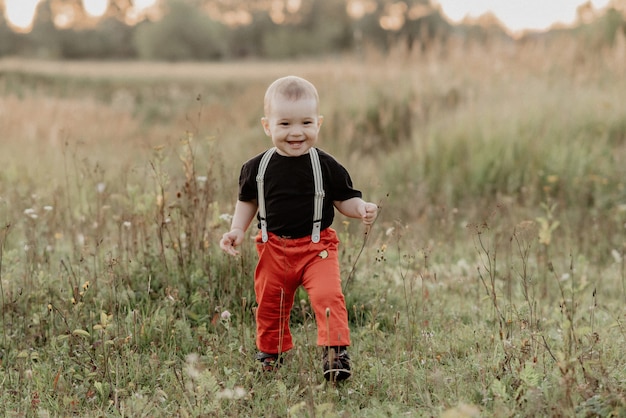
293,189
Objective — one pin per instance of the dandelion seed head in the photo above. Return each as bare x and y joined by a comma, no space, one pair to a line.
226,394
100,187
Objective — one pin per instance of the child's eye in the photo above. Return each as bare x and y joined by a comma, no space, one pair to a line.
284,124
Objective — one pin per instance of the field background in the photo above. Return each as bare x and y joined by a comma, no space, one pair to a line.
492,284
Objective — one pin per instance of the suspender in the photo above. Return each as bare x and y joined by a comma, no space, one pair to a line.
319,195
261,194
318,203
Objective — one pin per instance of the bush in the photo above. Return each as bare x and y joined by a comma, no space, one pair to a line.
182,35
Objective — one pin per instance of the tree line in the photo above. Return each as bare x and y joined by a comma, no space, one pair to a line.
186,34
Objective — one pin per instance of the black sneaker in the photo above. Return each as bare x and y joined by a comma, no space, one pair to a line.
336,363
269,362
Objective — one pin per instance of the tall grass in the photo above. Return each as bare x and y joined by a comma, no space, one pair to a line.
493,283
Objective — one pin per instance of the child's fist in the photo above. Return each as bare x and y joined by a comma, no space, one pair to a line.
368,211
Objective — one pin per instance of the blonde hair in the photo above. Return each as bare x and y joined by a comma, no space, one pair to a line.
290,87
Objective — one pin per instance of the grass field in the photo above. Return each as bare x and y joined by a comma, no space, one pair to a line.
492,284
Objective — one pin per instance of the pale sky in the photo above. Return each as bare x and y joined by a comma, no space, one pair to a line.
518,15
20,13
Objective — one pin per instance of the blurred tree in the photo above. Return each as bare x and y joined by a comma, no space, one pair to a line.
321,27
602,31
8,39
424,27
110,39
43,41
182,34
248,40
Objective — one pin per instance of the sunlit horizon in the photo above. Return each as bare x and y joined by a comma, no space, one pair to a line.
20,14
516,16
519,16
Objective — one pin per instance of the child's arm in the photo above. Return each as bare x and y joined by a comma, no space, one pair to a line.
358,208
244,213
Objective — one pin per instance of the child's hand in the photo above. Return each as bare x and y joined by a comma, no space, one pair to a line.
368,212
230,240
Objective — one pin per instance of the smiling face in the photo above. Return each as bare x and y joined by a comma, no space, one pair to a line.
291,116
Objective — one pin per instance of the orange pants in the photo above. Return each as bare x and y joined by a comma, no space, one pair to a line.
285,264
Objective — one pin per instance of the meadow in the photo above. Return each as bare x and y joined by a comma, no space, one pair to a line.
493,283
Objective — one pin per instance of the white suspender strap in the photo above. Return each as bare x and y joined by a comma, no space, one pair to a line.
261,193
319,195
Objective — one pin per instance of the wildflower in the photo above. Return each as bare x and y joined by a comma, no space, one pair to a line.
48,208
616,255
201,179
237,393
30,212
126,224
226,217
225,316
100,187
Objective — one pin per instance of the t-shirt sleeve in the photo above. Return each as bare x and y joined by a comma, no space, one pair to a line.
247,182
341,186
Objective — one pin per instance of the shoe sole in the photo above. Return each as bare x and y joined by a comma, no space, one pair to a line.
337,375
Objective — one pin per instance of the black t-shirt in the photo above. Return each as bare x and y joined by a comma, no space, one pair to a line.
290,191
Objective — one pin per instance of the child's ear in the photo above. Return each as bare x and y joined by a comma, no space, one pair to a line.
320,119
266,126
